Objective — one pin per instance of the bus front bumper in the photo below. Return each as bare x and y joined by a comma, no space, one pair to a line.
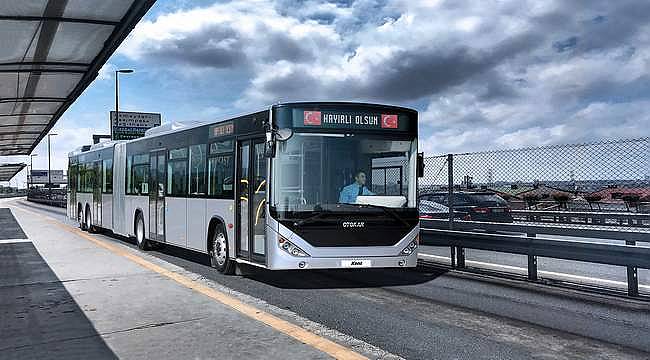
288,262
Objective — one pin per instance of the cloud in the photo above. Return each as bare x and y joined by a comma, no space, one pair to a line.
228,36
106,72
483,74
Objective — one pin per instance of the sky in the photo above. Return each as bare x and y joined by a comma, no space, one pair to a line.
484,75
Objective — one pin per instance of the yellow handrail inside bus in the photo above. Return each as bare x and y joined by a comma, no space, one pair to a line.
259,208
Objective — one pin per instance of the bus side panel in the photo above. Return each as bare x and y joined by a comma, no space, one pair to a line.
107,211
223,209
197,227
131,204
175,221
119,214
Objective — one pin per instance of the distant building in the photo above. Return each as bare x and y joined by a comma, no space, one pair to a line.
510,191
617,193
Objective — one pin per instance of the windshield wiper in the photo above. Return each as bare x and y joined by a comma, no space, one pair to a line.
311,218
319,215
390,212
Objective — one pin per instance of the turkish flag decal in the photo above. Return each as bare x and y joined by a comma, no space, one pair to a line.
389,121
311,117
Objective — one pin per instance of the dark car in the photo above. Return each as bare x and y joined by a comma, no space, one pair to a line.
472,206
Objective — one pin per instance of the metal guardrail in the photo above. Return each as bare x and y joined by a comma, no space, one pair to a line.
532,228
50,202
52,197
465,235
618,219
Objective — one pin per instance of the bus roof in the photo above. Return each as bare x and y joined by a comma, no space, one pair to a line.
178,126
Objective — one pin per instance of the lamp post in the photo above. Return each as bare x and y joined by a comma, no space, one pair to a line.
49,162
117,96
31,167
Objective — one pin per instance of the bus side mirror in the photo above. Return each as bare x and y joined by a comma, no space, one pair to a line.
420,165
269,145
269,149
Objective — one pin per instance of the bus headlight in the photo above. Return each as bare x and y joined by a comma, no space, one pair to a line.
410,247
290,248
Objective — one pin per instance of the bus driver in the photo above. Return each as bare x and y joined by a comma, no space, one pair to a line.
358,187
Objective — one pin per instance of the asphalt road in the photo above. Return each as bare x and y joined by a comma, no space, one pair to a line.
432,314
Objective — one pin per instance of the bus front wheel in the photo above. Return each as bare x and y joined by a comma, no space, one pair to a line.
219,258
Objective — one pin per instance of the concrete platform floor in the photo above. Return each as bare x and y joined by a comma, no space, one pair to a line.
66,295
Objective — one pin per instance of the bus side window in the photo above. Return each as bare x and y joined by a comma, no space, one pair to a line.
177,172
221,169
197,169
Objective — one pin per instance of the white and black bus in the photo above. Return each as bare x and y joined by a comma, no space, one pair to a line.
297,186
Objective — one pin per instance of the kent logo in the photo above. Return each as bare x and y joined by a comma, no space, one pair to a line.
312,118
389,121
356,263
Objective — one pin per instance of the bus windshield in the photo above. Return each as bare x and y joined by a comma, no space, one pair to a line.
331,171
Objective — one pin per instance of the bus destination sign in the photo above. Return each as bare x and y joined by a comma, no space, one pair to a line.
350,120
222,130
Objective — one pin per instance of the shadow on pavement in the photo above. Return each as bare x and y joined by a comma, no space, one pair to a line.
341,279
308,279
39,318
305,279
9,227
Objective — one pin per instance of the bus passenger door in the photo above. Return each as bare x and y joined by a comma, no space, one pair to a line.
97,194
251,200
157,165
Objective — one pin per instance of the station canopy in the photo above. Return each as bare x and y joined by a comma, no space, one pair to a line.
50,51
8,171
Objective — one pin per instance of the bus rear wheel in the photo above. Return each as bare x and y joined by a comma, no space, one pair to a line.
140,238
80,218
219,258
89,222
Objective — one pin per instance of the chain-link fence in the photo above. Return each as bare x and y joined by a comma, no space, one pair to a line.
603,183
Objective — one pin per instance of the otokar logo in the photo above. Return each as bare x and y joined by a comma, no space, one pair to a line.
353,224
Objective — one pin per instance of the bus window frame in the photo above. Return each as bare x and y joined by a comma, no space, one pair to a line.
210,155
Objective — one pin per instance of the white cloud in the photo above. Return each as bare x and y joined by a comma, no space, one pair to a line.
106,72
484,74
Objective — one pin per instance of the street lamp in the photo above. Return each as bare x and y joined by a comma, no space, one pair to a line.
49,161
31,168
117,95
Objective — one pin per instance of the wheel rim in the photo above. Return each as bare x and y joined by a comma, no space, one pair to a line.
219,246
139,232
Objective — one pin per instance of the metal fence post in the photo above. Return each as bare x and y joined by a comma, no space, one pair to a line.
532,263
457,252
632,276
450,202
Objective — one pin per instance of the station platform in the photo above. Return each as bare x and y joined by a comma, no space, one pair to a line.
66,294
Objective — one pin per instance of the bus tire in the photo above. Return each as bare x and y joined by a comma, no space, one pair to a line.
89,221
80,218
140,238
218,251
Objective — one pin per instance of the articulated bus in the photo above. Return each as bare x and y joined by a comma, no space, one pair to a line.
296,186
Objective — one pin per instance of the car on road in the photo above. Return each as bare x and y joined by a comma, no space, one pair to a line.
471,206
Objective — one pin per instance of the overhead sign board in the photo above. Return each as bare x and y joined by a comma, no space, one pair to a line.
40,177
132,125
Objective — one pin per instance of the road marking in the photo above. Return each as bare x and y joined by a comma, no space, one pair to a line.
14,241
325,345
541,272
